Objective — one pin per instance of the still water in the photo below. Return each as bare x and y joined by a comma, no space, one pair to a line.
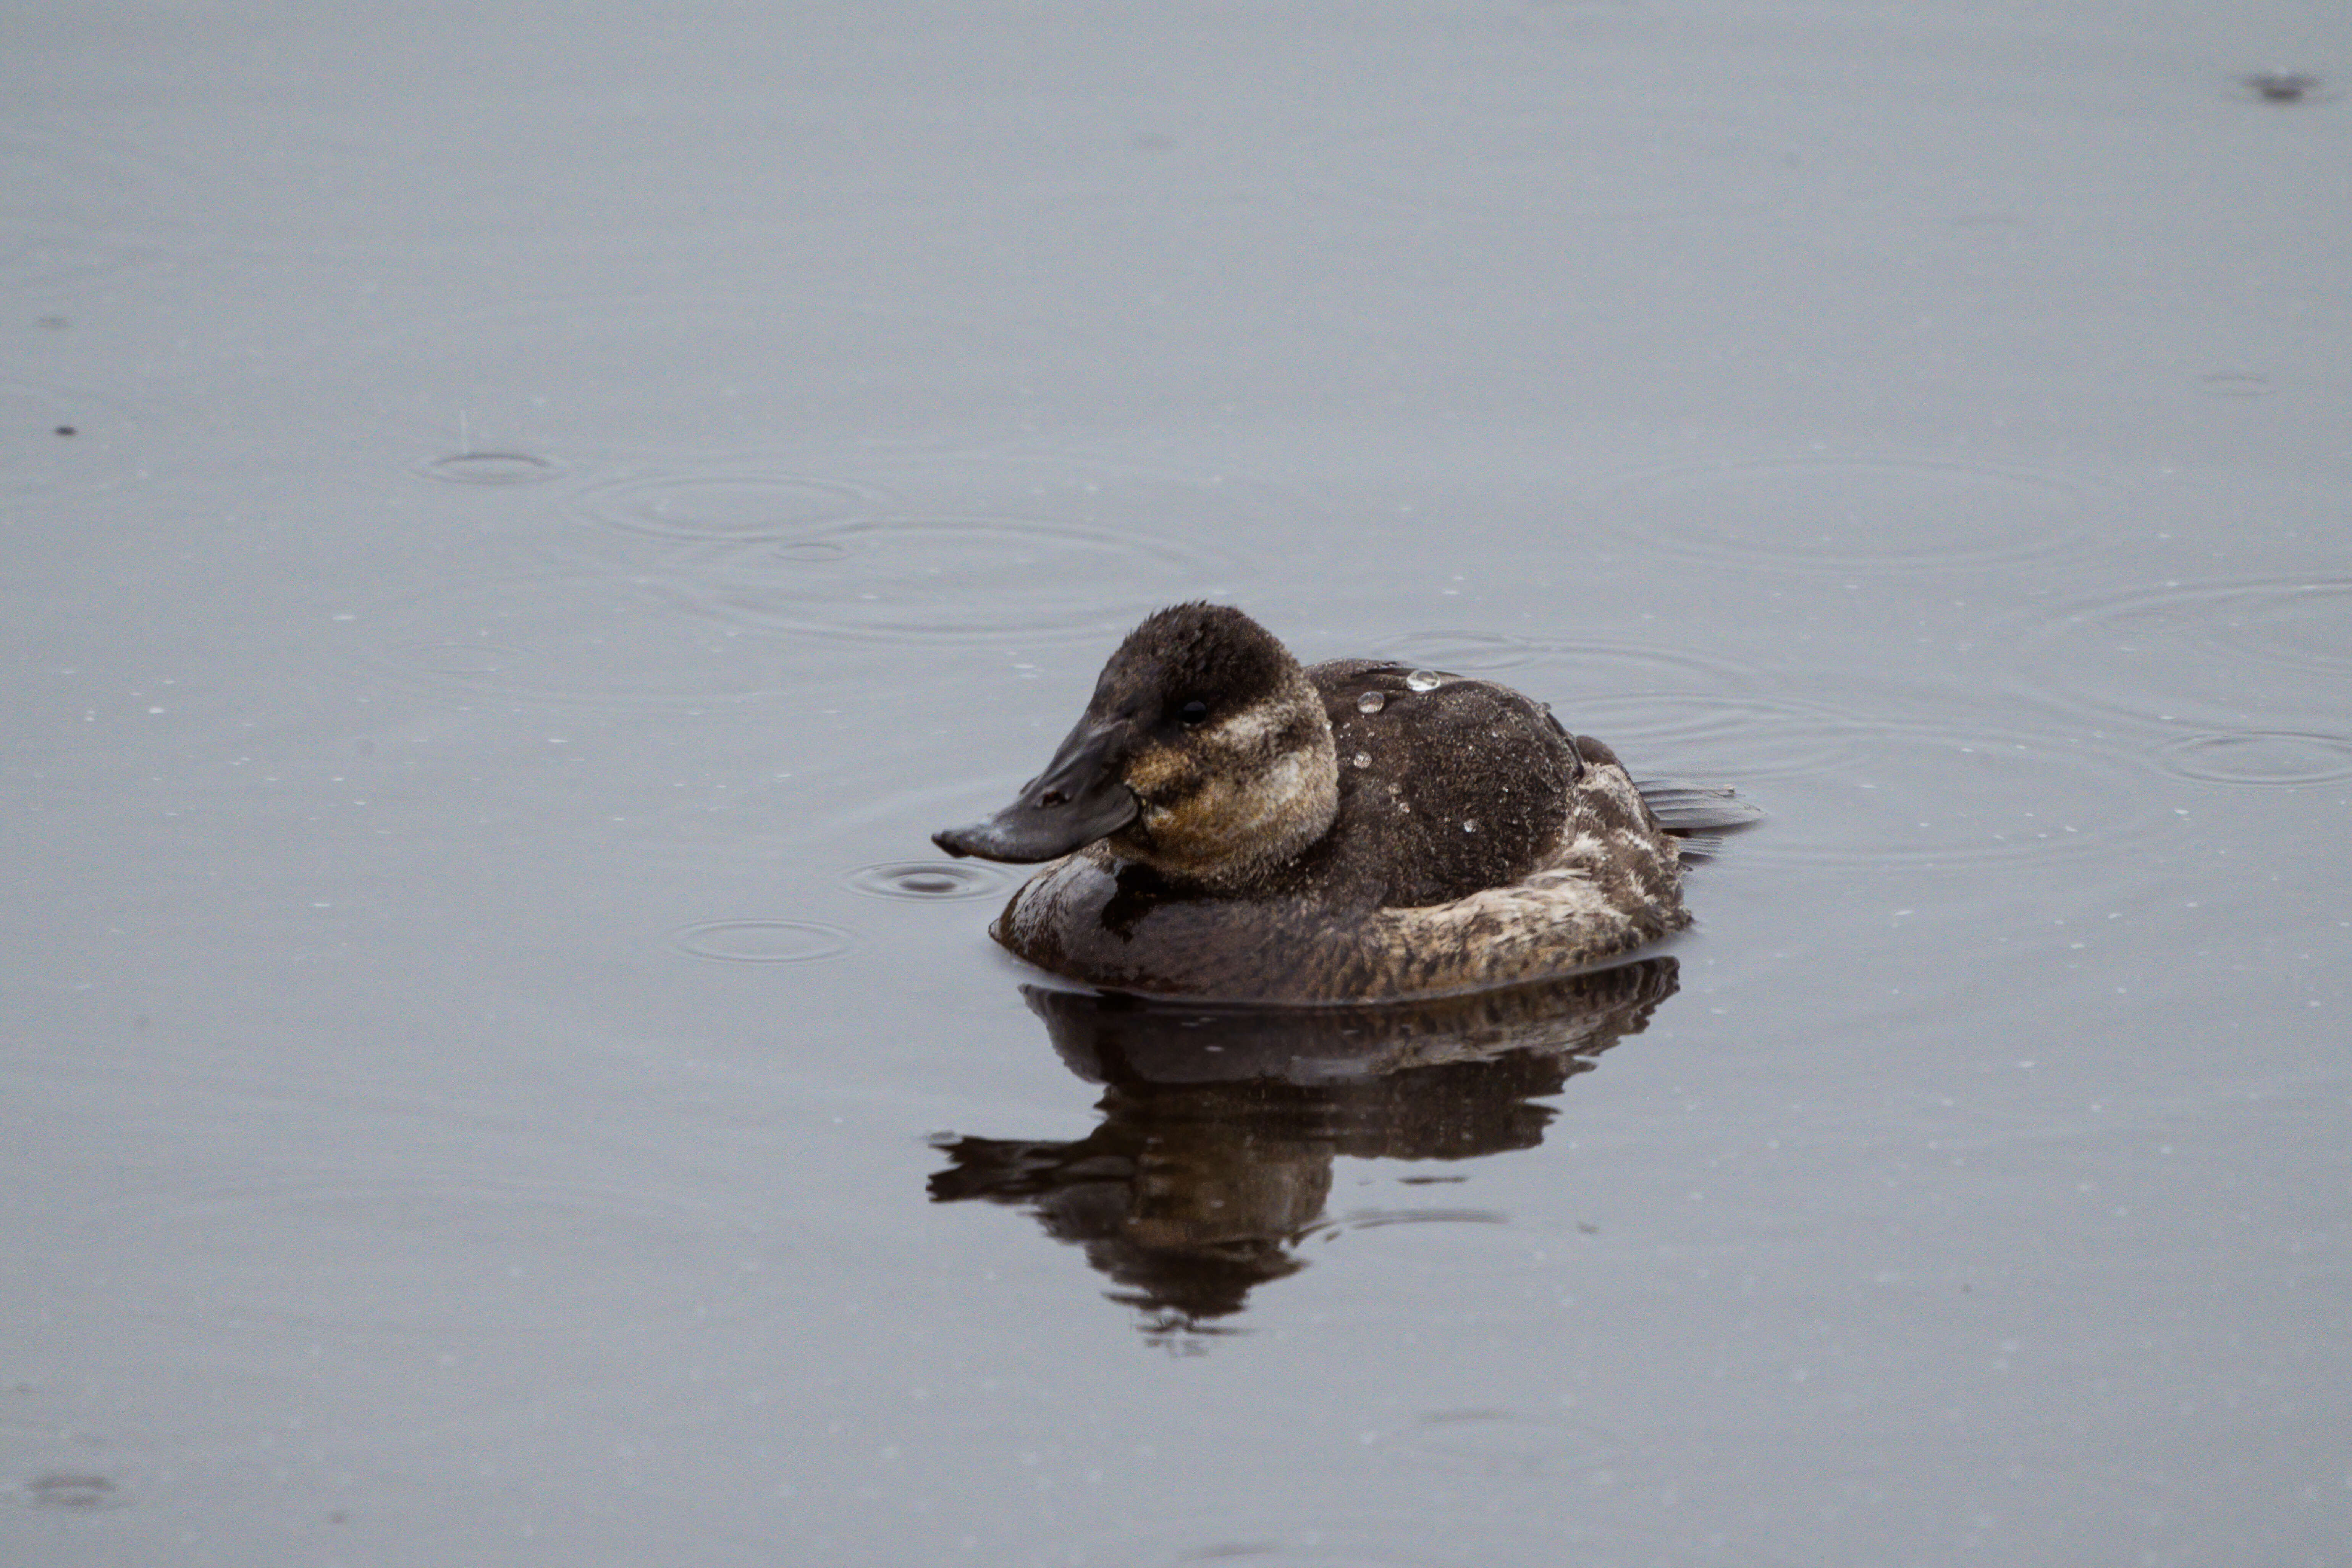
521,521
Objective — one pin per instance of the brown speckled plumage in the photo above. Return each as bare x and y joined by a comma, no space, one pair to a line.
1474,843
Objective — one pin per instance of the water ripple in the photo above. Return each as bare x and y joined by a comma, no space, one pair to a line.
572,638
1378,1219
1504,1442
1933,797
56,259
1740,739
1604,667
943,580
1591,162
2275,758
1857,515
760,941
2208,653
1418,1542
2233,383
745,508
1467,653
2294,622
425,1258
95,183
1422,1538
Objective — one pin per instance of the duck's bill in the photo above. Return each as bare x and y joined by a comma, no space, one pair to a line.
1077,800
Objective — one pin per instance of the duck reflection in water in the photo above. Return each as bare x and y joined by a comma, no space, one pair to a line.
1212,1164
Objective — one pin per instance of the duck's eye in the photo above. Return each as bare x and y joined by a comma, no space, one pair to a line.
1192,713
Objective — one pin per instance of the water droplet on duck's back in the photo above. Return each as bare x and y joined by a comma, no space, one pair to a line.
1423,680
1371,703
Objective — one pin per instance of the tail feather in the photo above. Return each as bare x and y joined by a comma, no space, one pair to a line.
1683,807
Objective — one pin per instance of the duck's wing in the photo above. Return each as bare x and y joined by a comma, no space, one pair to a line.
1447,785
1684,807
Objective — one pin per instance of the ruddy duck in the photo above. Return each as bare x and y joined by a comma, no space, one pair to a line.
1227,824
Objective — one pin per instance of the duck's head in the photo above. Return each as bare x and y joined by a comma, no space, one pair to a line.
1205,755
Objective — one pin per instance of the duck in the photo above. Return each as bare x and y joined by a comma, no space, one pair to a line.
1224,823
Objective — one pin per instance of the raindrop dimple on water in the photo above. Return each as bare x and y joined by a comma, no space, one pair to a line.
1423,680
490,469
1371,703
922,880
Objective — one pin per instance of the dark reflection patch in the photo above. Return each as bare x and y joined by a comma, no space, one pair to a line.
1211,1171
1380,1219
74,1491
2284,87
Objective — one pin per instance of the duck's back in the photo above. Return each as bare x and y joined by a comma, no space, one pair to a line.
1444,789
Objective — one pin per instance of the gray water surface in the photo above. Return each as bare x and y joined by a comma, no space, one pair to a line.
523,519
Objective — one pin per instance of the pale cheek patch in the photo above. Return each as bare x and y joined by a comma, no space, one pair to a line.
1246,731
1153,770
1225,824
1286,783
1185,794
1197,826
